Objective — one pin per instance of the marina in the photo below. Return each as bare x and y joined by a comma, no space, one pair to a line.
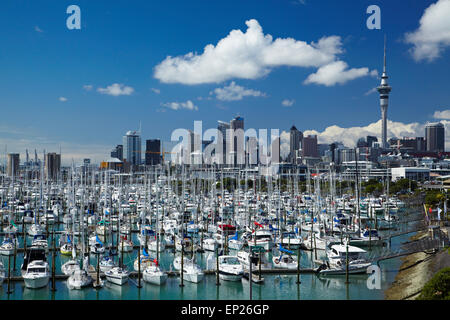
99,223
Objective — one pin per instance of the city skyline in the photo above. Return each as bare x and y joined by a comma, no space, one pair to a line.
86,107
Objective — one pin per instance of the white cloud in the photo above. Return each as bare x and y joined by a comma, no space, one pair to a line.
116,89
337,73
189,105
62,99
373,90
445,114
248,55
87,87
37,29
157,91
288,103
235,92
433,34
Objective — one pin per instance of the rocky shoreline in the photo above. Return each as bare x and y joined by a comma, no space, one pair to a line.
416,270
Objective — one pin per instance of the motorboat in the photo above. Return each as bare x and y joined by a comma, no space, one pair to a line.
70,267
230,269
32,254
40,241
337,260
35,229
117,275
37,274
7,247
261,238
209,244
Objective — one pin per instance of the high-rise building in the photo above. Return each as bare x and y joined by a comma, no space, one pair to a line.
309,145
384,89
117,152
371,141
132,147
222,128
295,141
52,165
435,137
237,155
252,151
13,164
152,152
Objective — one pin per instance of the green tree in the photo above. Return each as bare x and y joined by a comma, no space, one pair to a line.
438,288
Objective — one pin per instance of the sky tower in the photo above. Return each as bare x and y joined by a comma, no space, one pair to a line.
384,89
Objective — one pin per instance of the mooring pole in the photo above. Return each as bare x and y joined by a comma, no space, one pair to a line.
250,278
217,266
182,264
9,275
346,262
53,262
298,265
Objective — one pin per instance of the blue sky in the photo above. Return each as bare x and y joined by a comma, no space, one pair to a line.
51,78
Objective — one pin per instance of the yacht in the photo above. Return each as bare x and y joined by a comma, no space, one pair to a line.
154,275
106,264
79,279
37,274
117,275
230,269
191,271
262,238
31,255
7,247
125,245
70,267
209,244
337,260
40,241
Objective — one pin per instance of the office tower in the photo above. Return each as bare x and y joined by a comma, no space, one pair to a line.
361,143
132,147
152,152
371,140
295,141
435,137
237,141
117,152
52,165
384,89
275,151
347,155
310,146
13,164
252,151
412,144
222,128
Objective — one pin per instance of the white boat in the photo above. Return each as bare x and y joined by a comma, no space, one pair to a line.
79,279
35,229
70,267
191,271
40,241
285,261
261,238
337,260
154,275
125,245
2,273
209,244
117,275
37,274
106,264
230,269
97,248
7,247
146,261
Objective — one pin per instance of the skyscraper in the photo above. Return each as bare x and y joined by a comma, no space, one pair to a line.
222,128
117,152
237,155
309,145
384,89
435,137
295,141
52,165
153,152
13,164
132,147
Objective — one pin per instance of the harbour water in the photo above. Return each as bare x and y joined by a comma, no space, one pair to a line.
275,287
